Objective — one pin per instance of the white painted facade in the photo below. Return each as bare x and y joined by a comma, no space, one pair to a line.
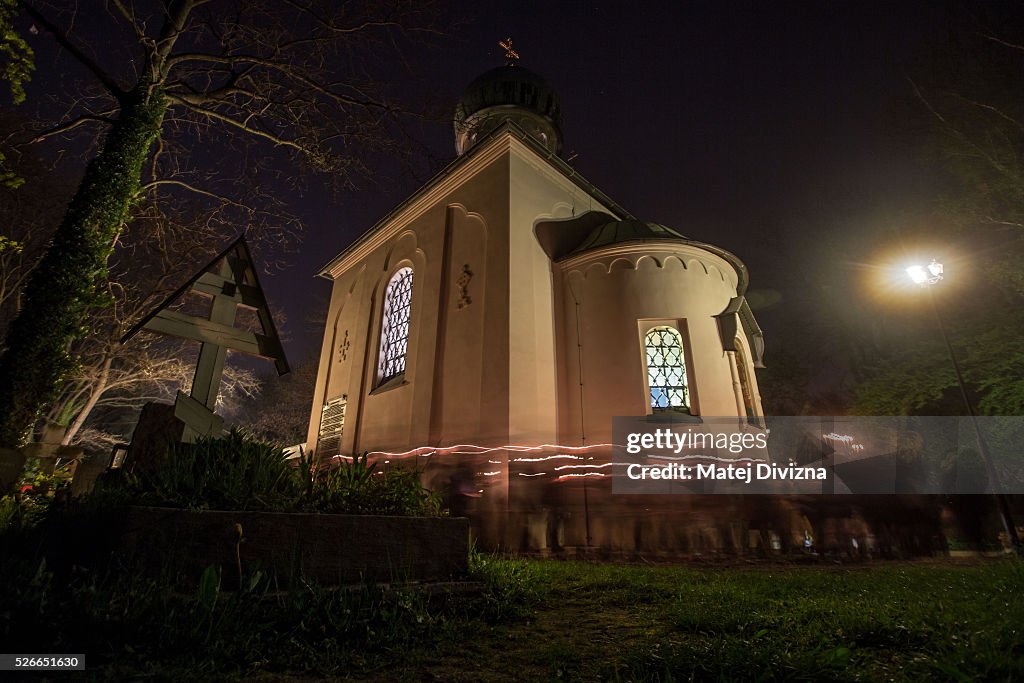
514,337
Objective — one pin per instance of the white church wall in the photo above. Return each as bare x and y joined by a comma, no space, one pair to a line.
537,193
622,291
384,413
420,407
464,371
493,356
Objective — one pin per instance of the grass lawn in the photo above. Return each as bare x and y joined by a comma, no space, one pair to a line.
592,622
539,621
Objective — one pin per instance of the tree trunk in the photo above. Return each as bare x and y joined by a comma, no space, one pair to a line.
94,396
62,288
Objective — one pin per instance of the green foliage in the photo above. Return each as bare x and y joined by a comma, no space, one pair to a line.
512,586
359,487
649,623
209,587
17,61
14,514
236,472
909,383
36,491
133,627
229,473
919,379
7,244
12,180
967,114
585,622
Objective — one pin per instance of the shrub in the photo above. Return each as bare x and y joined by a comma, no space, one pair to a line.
233,472
359,488
236,472
36,491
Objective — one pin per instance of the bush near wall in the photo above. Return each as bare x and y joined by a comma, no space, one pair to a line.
235,472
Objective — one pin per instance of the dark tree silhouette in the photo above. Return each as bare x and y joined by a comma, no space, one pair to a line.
285,77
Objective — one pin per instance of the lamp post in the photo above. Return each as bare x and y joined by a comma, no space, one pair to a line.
926,277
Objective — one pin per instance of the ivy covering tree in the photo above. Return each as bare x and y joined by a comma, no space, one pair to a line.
286,77
63,286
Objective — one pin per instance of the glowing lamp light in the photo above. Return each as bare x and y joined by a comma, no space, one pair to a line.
925,275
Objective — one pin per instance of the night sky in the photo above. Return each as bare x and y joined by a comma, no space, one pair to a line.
765,128
772,129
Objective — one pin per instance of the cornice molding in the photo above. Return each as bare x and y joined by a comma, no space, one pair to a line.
650,248
503,140
418,205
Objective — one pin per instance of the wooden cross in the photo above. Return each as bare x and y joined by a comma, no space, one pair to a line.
229,281
510,54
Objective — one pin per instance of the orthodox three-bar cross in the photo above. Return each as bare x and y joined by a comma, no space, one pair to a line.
510,54
229,281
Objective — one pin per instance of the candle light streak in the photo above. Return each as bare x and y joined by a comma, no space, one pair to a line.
474,449
580,474
706,457
548,457
560,473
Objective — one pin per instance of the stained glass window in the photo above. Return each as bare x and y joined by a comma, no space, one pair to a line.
394,332
666,369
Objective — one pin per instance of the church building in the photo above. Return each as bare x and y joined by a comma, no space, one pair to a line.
511,303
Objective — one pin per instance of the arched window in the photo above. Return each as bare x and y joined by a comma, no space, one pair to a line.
666,369
394,331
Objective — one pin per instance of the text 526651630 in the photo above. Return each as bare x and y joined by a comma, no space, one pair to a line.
42,662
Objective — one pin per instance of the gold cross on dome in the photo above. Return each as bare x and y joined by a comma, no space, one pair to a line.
510,54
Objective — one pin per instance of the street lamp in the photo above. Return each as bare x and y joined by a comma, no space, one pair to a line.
926,276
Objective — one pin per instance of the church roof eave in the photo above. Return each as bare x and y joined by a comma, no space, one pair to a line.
632,232
507,128
738,266
738,313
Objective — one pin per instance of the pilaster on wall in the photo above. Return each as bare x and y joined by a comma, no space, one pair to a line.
460,355
537,193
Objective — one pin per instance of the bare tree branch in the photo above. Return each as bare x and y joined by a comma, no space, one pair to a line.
241,125
72,49
71,125
1000,41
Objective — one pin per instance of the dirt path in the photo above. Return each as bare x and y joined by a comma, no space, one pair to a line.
573,640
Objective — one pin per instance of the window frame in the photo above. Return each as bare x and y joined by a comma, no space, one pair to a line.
644,327
380,379
745,379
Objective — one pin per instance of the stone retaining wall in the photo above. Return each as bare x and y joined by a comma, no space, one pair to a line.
330,549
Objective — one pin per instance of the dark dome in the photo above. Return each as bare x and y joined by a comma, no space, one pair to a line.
509,85
633,230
